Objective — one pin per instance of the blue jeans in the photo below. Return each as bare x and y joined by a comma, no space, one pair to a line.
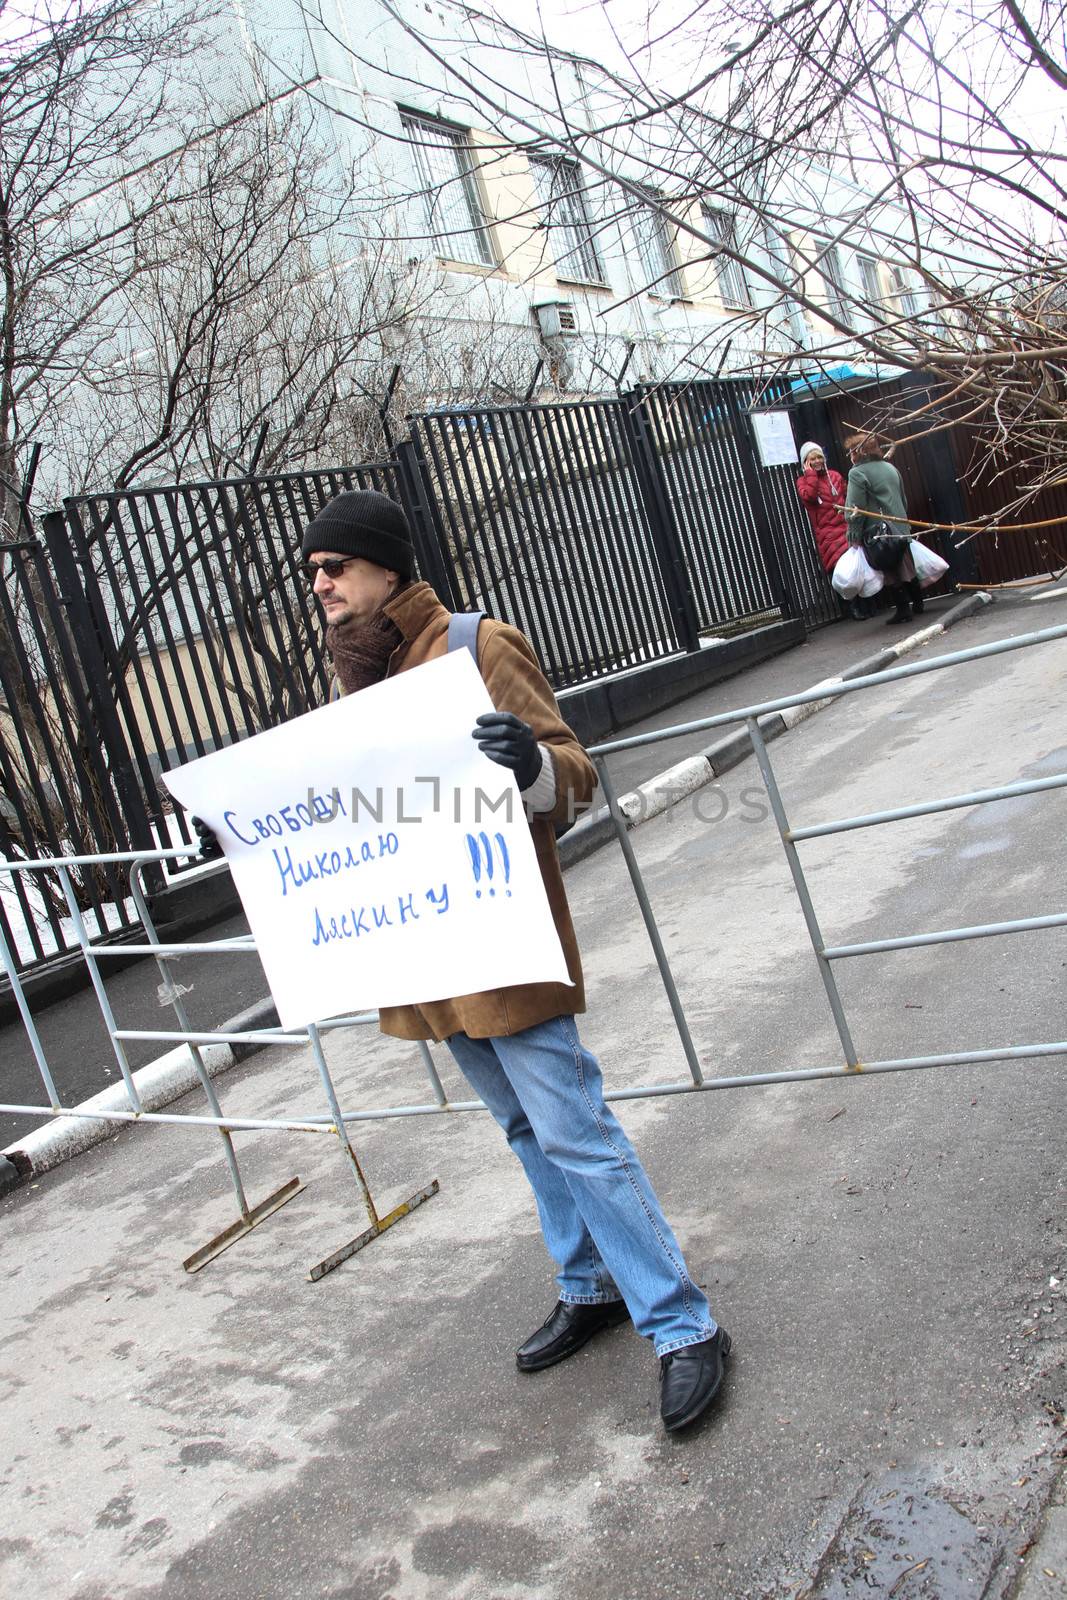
600,1218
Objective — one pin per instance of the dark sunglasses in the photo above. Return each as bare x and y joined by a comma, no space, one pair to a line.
333,567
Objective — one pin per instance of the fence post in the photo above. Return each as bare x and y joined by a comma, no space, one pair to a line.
89,633
767,533
427,531
666,544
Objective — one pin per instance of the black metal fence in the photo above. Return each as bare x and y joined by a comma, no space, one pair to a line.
616,532
153,625
547,526
56,796
195,624
149,626
745,540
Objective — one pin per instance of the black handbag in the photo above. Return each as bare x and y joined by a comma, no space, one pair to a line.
884,550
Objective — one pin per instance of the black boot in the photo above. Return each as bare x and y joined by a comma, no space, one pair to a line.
899,597
915,590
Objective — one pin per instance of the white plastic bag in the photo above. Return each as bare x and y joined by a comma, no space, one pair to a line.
929,566
853,575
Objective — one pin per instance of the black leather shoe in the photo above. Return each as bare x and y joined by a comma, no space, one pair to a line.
690,1379
565,1332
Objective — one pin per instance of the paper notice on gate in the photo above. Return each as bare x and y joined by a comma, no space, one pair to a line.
773,431
381,858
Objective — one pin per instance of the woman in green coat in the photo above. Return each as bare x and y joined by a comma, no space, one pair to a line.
874,484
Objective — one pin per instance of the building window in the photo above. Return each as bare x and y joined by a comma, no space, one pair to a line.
657,252
871,280
904,294
733,285
561,196
833,281
449,191
782,259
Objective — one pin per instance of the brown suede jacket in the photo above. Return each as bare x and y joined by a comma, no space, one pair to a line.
515,683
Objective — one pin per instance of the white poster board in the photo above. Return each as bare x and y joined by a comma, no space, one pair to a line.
774,437
381,858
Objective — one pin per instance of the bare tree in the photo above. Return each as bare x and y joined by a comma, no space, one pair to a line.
926,136
85,94
256,314
196,281
178,291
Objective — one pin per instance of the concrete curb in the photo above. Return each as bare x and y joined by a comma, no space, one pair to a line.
1044,1569
173,1074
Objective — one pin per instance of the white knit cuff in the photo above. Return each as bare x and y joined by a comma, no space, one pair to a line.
541,795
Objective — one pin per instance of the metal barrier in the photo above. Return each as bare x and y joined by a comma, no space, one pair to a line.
248,1217
338,1120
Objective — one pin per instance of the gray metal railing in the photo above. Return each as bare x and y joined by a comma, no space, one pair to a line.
338,1119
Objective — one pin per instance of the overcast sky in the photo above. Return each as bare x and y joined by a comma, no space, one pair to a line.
655,31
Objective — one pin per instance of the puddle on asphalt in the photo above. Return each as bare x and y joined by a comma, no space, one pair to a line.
909,1541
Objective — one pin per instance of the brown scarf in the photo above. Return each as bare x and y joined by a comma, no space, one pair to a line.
361,650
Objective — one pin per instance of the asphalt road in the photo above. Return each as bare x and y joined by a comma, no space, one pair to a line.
887,1251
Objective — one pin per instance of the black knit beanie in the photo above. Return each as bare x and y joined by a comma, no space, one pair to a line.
362,522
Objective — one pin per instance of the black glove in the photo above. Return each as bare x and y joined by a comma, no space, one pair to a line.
510,742
210,849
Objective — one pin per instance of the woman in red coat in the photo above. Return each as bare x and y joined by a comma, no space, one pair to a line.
823,493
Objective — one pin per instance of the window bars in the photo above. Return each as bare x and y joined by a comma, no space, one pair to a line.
657,250
733,284
565,210
450,194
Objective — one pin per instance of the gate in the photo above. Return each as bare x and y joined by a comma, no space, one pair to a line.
746,539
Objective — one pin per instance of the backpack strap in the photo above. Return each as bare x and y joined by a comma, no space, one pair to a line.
463,635
463,632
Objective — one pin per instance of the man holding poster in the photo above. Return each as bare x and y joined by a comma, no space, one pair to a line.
518,1045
